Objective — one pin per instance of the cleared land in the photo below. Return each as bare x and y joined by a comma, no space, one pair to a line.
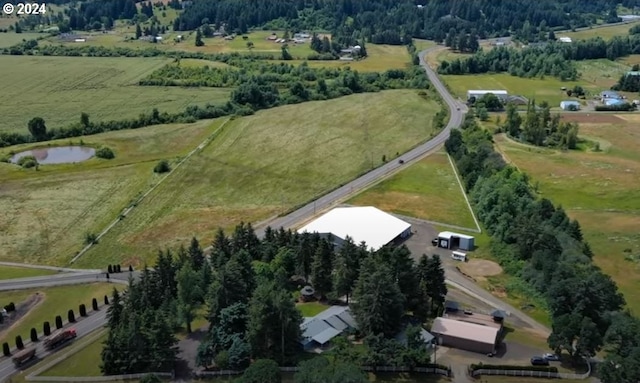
47,213
10,272
11,38
59,89
379,59
55,301
428,190
600,190
265,164
606,33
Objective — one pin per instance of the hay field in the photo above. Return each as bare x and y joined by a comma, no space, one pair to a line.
265,164
11,38
59,89
600,189
605,32
379,59
47,213
427,189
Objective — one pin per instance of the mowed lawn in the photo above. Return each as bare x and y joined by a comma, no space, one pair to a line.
379,59
10,272
265,164
59,89
55,301
11,38
47,213
428,190
600,190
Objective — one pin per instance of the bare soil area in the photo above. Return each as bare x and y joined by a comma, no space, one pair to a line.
22,309
593,118
480,268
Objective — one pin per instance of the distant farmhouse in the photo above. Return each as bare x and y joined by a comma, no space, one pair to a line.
570,105
564,39
610,95
503,95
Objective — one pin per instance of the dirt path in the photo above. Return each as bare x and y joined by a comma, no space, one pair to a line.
23,308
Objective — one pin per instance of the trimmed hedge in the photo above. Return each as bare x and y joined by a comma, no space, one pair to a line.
481,366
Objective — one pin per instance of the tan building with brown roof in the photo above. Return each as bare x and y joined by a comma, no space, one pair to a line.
467,332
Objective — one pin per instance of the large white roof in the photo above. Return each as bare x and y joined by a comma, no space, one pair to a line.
482,91
373,226
465,330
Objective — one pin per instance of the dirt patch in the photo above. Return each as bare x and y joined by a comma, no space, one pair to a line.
480,268
22,309
593,118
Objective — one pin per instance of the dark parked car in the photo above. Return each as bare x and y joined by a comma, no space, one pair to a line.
539,361
401,162
434,242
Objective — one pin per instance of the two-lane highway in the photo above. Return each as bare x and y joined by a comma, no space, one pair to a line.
456,110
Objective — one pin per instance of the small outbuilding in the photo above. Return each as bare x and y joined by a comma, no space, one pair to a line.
465,335
307,293
570,105
449,240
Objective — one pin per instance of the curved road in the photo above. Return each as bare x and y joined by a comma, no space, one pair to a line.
456,110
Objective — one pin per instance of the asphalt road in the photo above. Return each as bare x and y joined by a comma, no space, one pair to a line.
457,110
85,326
61,279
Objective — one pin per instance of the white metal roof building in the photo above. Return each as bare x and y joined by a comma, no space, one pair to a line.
363,224
565,39
465,335
501,94
569,104
449,240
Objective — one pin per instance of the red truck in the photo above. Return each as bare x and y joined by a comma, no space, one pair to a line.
24,356
58,338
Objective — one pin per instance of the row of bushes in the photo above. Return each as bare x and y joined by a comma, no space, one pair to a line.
114,269
480,366
626,107
46,326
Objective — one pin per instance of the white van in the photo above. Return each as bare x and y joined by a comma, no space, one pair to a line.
459,256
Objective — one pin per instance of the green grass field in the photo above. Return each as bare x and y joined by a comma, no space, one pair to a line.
82,363
47,213
599,190
59,89
55,301
428,190
11,38
265,164
607,33
547,89
10,272
311,309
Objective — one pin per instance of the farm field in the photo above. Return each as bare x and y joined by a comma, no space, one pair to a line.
428,190
11,38
379,59
10,272
53,301
599,189
59,89
46,214
604,32
265,164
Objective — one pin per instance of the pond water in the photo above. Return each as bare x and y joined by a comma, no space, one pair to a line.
57,155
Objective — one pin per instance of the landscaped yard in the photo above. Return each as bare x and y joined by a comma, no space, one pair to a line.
46,214
428,190
10,272
599,189
54,301
59,89
311,309
264,165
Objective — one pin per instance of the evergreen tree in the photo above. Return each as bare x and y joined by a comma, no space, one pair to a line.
199,42
322,268
220,249
138,31
196,254
435,282
378,303
189,293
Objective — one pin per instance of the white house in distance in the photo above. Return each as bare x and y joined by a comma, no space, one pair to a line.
564,39
570,105
363,224
476,94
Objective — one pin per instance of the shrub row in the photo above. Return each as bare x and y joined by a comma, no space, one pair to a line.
615,108
46,327
480,366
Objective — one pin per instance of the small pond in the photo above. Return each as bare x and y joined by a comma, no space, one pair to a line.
57,155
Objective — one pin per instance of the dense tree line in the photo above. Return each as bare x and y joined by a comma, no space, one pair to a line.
388,21
629,82
252,313
537,242
554,58
539,127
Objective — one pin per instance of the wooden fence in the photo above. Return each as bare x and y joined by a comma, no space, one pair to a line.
423,370
530,373
107,378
